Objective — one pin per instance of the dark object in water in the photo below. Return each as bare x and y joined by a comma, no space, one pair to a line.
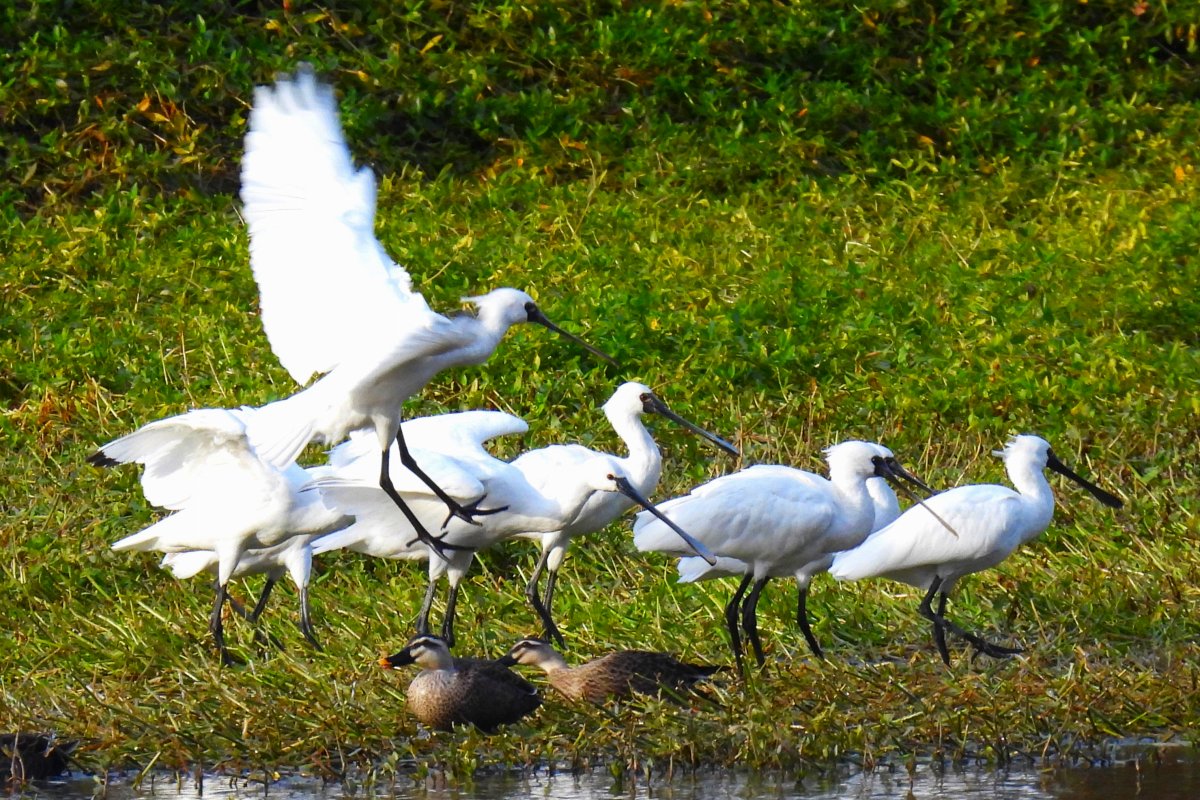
27,756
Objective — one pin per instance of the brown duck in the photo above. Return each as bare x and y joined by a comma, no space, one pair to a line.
618,674
450,691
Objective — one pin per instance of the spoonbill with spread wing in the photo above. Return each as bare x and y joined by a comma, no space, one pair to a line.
333,302
226,499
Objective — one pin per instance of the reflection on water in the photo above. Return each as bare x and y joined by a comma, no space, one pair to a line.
1147,779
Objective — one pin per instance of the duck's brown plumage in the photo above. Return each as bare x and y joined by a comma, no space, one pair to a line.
451,691
618,674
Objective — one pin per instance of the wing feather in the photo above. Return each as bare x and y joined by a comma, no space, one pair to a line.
326,285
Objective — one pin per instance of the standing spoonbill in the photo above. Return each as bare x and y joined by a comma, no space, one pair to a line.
992,521
523,507
554,469
779,521
692,568
226,499
333,303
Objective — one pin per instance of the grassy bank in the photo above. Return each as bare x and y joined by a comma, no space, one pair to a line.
927,229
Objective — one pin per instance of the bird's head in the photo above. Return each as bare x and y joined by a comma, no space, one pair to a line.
503,308
428,652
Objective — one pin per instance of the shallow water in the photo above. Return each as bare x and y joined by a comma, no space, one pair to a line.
1145,778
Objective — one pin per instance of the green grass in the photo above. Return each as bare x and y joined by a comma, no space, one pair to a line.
798,224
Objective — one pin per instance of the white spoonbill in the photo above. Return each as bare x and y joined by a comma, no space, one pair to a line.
553,470
522,507
226,499
991,520
693,568
778,520
333,303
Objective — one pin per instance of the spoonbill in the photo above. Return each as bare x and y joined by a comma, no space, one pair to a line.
992,521
333,302
524,507
226,499
779,521
693,568
553,470
618,674
452,691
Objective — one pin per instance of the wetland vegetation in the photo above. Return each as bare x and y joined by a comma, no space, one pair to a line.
927,224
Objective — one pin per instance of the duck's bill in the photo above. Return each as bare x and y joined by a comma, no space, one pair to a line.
1108,499
536,315
895,479
663,410
397,660
626,488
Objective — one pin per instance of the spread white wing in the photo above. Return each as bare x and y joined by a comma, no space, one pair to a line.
327,288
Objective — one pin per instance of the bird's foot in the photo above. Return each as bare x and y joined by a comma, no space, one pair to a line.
986,648
230,660
436,544
468,512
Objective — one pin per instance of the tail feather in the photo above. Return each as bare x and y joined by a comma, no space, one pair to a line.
694,568
190,563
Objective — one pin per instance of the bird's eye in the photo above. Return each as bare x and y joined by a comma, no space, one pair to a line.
645,397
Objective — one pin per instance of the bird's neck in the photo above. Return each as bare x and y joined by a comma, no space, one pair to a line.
486,332
552,662
857,505
644,462
1035,491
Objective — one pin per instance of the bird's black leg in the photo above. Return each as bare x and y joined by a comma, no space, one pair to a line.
939,631
261,637
549,629
980,644
385,483
942,624
457,509
731,621
802,620
306,626
448,620
217,630
939,621
262,600
423,614
750,619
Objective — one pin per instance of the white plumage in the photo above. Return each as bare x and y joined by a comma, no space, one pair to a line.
554,471
991,522
522,507
333,303
777,521
224,497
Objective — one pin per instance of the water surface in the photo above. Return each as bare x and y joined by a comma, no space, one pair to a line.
1148,774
